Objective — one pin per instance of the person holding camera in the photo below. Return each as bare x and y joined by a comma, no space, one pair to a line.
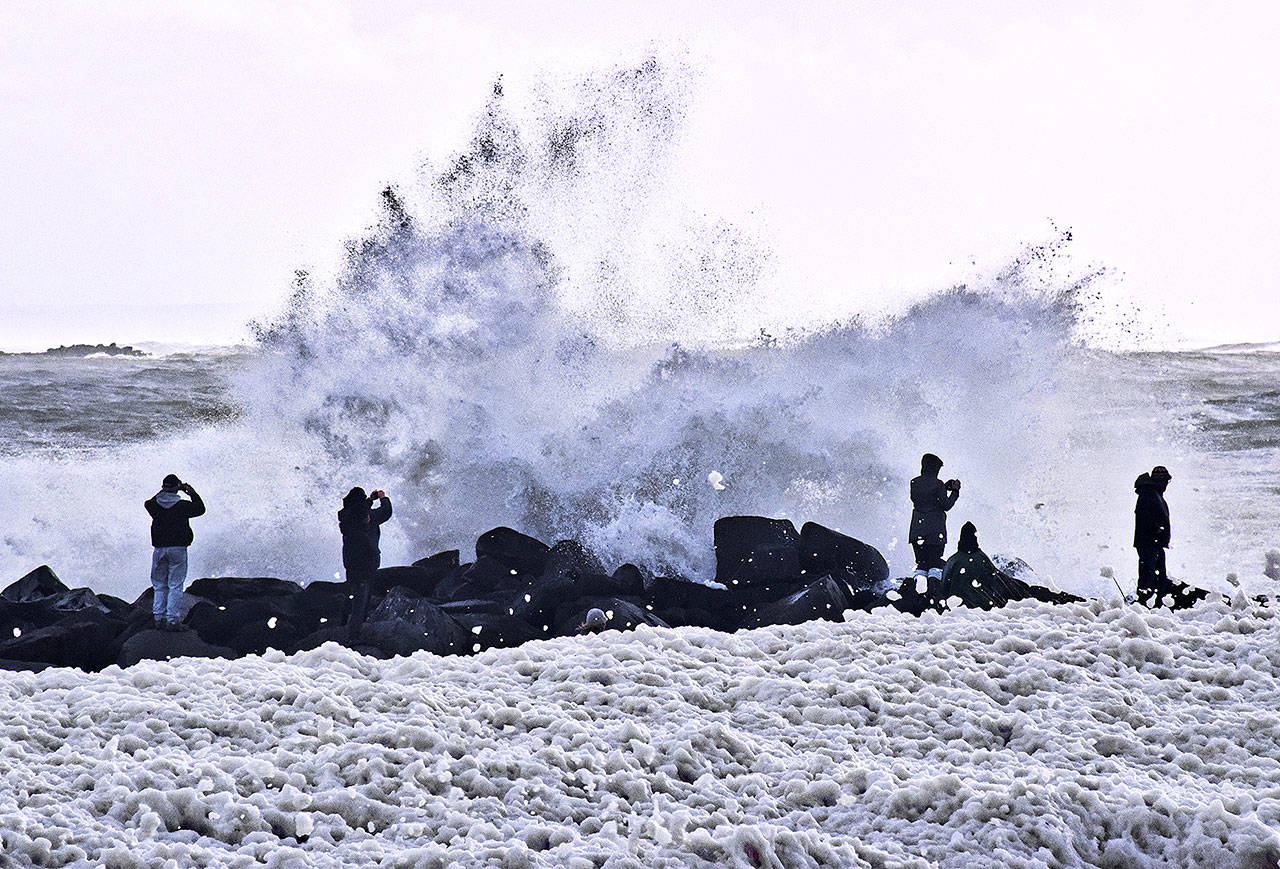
931,498
170,537
360,523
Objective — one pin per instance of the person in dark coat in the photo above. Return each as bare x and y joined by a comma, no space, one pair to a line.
1151,535
973,578
931,499
360,523
170,536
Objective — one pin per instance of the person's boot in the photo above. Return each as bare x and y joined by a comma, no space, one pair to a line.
157,623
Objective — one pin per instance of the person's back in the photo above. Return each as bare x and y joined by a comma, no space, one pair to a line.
930,500
360,525
1151,533
971,576
170,536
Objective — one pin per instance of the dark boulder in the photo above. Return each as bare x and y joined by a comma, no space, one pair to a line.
823,599
517,551
25,617
441,563
152,645
678,601
78,640
226,588
907,598
622,615
485,578
456,608
571,559
252,625
36,586
420,581
754,550
426,625
856,564
398,637
537,604
77,599
630,579
494,630
30,666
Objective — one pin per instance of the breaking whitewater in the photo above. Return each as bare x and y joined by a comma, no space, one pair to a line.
539,333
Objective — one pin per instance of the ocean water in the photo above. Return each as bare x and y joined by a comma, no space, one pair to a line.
538,331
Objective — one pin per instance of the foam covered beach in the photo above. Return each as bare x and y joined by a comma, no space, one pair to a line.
1091,734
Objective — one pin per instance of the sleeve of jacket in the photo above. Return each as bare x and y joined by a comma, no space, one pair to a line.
197,506
947,499
382,512
151,506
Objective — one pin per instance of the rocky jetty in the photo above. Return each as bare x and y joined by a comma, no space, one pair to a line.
81,350
516,589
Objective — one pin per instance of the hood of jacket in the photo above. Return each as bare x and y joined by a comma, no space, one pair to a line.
167,499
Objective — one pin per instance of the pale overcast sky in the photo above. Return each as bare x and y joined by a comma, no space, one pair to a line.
167,166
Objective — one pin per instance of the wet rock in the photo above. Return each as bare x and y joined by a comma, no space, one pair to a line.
398,637
483,579
823,599
754,550
81,640
516,551
433,628
483,630
629,579
224,588
621,615
569,558
152,645
38,585
826,552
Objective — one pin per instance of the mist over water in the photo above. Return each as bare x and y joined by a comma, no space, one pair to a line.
540,333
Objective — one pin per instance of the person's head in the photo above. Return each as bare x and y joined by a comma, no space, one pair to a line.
354,497
595,620
170,483
1160,476
968,538
930,464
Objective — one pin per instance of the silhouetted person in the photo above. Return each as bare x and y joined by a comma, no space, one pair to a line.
1151,535
359,521
931,499
170,535
595,621
973,578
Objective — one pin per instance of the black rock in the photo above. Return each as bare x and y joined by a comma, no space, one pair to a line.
630,579
399,637
226,588
38,585
77,640
483,579
516,551
621,614
252,625
25,617
434,629
494,630
754,550
823,599
77,599
441,562
153,645
456,608
857,564
569,558
909,600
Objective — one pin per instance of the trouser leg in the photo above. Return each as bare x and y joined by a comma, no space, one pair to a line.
1152,579
159,582
177,578
360,582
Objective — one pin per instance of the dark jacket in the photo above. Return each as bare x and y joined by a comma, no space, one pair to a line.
1150,514
971,576
361,534
169,525
931,501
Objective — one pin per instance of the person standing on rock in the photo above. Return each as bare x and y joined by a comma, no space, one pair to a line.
930,499
360,523
1151,534
170,537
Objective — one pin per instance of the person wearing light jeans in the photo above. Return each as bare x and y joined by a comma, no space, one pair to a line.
170,536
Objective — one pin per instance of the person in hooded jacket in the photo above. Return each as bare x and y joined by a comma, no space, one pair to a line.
360,523
1151,534
931,499
973,578
170,536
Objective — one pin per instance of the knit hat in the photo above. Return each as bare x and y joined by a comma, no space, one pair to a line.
171,483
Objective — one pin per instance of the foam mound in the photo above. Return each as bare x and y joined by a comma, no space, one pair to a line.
1079,735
